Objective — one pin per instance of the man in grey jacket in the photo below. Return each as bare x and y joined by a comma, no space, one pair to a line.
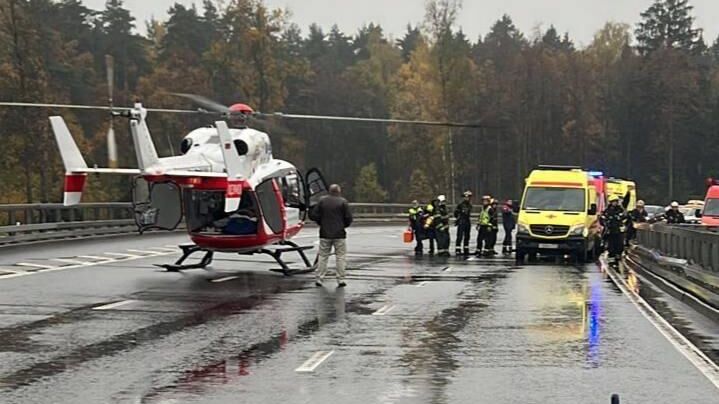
333,215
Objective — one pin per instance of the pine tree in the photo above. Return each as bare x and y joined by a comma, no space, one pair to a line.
419,187
714,50
667,24
409,41
367,187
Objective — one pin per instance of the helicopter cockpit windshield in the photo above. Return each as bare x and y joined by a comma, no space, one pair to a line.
205,213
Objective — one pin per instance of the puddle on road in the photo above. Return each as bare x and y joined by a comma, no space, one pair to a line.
226,369
674,312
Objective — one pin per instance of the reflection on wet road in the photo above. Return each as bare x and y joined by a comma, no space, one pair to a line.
432,330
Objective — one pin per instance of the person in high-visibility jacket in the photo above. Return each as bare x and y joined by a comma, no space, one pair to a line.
484,226
416,219
441,220
429,225
463,220
494,228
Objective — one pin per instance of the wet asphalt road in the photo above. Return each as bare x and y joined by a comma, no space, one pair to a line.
94,322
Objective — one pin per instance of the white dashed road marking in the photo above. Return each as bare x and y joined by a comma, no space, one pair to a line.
143,251
95,257
165,249
225,279
314,361
69,261
123,255
33,265
114,305
383,310
35,268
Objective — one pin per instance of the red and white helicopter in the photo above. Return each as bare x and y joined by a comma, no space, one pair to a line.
235,197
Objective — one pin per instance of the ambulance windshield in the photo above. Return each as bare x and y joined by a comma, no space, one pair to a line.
554,199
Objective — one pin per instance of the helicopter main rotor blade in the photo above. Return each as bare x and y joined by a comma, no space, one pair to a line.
373,120
205,103
98,107
69,106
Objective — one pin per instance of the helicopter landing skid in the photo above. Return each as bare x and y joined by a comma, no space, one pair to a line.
276,253
285,269
187,250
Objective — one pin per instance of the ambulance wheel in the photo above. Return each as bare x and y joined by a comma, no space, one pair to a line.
532,256
596,249
582,254
519,256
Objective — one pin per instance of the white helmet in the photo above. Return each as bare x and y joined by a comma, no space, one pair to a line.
640,203
441,198
675,204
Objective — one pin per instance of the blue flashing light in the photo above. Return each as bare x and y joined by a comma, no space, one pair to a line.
596,173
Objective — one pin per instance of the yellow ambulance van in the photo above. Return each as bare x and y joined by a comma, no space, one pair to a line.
558,214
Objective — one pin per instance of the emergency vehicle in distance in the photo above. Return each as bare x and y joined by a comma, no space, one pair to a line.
709,214
558,214
620,188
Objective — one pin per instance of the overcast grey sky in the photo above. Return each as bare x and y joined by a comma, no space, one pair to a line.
581,18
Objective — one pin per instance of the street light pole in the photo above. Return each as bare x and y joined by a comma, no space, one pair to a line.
451,167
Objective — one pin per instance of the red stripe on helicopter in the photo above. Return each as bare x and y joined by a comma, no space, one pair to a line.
234,189
75,182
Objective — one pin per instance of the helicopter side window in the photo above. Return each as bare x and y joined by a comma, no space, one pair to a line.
243,221
271,208
291,191
206,213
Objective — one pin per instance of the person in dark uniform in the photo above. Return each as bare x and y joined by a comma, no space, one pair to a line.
416,222
613,219
508,222
674,215
441,220
636,215
494,227
429,225
463,220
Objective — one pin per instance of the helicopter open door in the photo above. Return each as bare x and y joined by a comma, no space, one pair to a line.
316,187
157,205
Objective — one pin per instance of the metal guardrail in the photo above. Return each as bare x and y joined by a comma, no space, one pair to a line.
696,244
24,223
686,256
34,213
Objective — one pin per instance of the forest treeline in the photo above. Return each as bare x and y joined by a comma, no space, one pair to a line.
639,101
